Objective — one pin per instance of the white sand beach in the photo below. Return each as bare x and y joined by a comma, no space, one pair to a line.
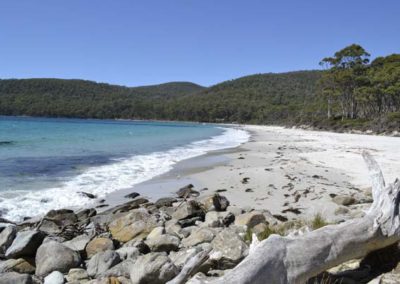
281,169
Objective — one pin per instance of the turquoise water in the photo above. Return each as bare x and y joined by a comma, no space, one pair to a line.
44,163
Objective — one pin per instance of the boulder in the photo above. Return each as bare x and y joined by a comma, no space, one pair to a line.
230,248
188,210
165,202
128,252
56,277
172,228
180,257
215,202
77,275
156,232
341,210
190,222
87,194
98,245
86,213
235,210
63,217
121,269
78,243
132,195
165,243
25,244
198,236
216,219
155,268
187,191
259,229
139,244
250,219
14,278
101,262
185,232
138,222
19,265
344,200
128,206
53,256
6,237
50,227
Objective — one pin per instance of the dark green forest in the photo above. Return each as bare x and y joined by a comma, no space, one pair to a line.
350,92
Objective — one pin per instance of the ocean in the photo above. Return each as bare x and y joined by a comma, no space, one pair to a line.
46,162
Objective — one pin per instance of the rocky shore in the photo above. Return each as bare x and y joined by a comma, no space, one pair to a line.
136,242
139,241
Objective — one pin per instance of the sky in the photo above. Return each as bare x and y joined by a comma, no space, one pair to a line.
131,43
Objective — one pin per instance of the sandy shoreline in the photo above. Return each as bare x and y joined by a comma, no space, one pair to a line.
280,169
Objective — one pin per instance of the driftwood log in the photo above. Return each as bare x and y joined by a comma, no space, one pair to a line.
297,259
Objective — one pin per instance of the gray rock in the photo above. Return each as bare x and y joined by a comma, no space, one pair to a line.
198,236
53,256
180,257
185,232
50,227
235,210
156,232
155,268
25,244
344,200
62,217
54,238
128,206
188,210
6,237
165,243
166,201
85,214
121,269
250,219
172,227
101,262
215,202
56,277
140,245
77,275
187,191
78,243
216,219
128,252
132,195
19,265
97,245
190,221
137,223
15,278
341,210
230,247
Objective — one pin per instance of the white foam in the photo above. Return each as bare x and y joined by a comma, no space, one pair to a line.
122,174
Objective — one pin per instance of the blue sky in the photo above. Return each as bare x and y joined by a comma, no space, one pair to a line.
145,42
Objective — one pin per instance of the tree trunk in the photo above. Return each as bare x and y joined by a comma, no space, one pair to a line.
297,259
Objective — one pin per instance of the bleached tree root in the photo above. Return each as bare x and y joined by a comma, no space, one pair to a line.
297,259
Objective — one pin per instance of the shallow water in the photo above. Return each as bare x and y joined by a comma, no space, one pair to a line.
45,163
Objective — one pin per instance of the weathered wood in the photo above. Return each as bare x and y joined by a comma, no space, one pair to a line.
296,259
190,268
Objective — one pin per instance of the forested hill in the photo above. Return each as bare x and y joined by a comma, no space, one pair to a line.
263,98
171,89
